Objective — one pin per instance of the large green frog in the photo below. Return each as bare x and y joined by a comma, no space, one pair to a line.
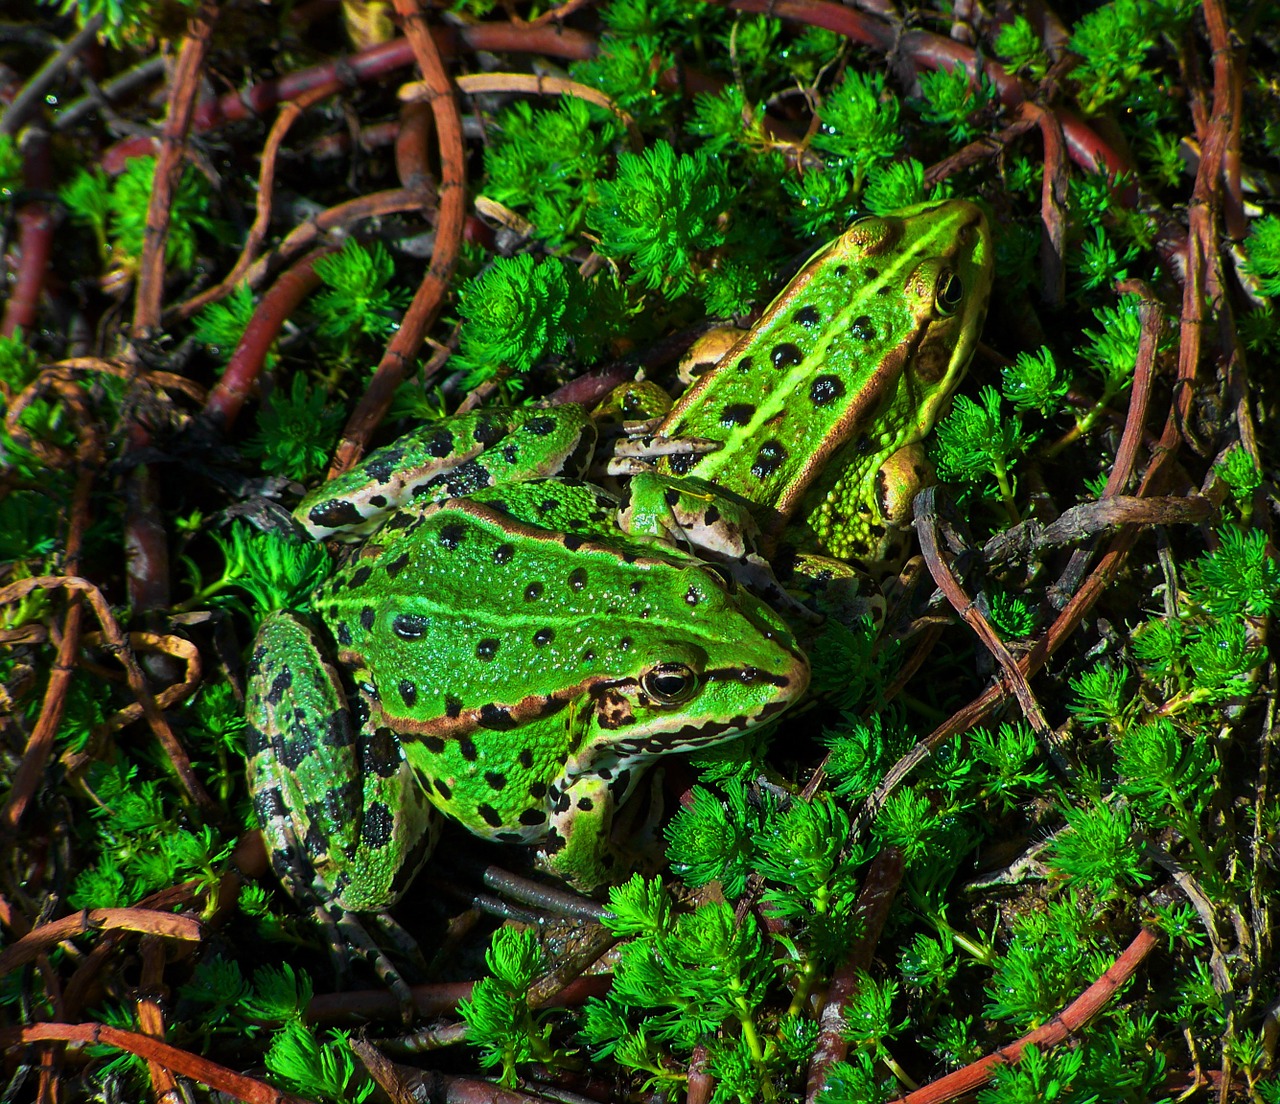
512,647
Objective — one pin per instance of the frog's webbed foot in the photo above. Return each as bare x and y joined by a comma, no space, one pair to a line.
635,453
704,521
348,938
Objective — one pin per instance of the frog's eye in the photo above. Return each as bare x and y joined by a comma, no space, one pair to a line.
949,292
670,683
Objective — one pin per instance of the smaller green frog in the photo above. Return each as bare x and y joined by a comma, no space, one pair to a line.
498,650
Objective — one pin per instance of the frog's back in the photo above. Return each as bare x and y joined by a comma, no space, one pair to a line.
463,617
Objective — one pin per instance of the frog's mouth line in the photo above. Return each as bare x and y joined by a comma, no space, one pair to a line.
460,724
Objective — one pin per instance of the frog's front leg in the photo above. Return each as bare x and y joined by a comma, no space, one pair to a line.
588,843
343,818
702,519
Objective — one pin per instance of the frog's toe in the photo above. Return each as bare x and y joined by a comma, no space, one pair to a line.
350,939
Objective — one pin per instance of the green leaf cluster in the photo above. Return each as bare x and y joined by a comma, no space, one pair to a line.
134,23
1113,42
10,167
358,299
296,431
950,98
498,1017
1020,46
859,123
522,310
143,843
230,1004
684,980
318,1070
1262,254
662,213
221,325
1051,957
276,572
977,444
116,211
628,69
547,163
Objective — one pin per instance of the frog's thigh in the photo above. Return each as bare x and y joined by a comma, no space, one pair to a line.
302,748
341,815
398,828
634,401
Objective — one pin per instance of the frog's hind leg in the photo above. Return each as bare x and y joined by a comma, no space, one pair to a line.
344,820
348,937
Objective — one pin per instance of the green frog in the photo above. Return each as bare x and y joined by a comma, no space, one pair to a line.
822,406
513,646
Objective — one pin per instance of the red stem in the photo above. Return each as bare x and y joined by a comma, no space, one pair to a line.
231,392
35,237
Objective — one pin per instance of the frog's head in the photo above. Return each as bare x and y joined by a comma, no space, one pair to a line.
727,663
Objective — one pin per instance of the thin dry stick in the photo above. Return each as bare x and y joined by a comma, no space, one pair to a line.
118,644
944,577
144,920
1081,601
180,1061
430,296
474,84
875,899
1070,1020
39,747
289,114
169,165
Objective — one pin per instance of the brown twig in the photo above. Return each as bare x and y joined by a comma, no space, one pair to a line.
150,1015
475,84
25,104
430,296
144,920
153,1050
184,85
155,643
377,61
331,222
1031,537
289,114
119,86
884,875
228,396
35,236
926,518
1059,1029
1053,211
930,51
39,749
137,684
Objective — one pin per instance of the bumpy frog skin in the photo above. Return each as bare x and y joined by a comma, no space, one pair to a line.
511,648
850,365
512,658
